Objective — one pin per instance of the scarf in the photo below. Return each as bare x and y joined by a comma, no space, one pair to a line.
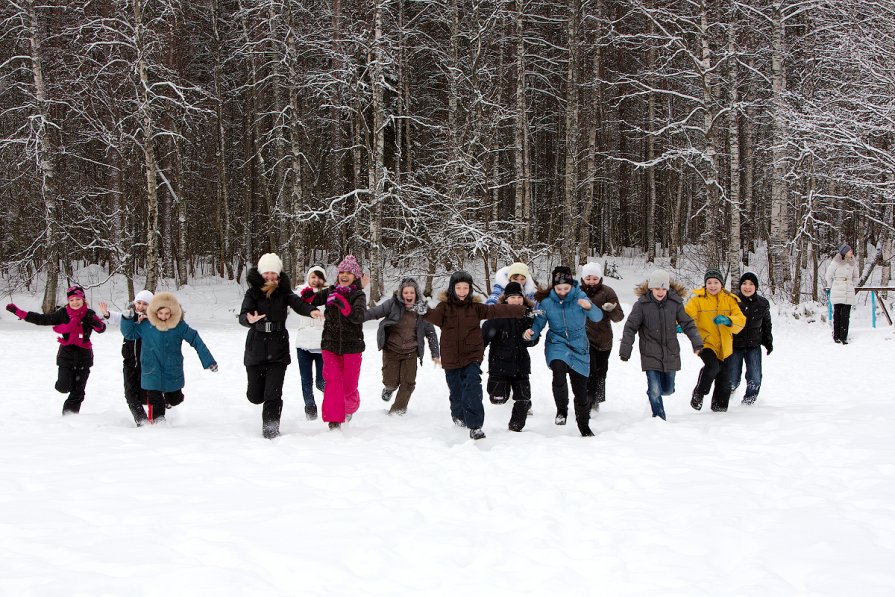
72,331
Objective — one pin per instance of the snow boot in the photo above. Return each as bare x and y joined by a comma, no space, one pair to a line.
476,433
387,394
270,418
561,416
518,416
584,428
459,422
311,412
334,426
696,401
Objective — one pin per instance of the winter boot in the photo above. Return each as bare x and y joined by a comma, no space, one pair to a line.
387,394
459,422
518,416
476,433
270,418
271,430
749,400
333,426
584,428
561,416
696,401
311,412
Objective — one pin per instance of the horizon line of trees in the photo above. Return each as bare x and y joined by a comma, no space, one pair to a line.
149,135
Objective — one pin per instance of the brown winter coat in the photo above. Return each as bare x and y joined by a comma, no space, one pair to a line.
599,334
461,336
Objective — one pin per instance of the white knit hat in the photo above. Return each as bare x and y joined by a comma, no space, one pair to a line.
143,295
659,279
316,269
592,268
270,262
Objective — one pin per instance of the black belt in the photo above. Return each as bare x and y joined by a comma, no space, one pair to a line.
269,326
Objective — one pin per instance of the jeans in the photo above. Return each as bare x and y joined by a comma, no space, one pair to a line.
309,363
465,386
752,357
658,384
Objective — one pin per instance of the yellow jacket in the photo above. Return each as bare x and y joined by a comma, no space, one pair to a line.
703,308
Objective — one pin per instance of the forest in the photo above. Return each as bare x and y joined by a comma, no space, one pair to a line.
183,138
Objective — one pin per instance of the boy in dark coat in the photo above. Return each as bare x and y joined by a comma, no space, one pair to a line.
747,344
509,365
74,323
402,337
462,349
264,310
599,334
656,315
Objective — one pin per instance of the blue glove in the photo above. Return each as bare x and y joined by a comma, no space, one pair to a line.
678,329
722,320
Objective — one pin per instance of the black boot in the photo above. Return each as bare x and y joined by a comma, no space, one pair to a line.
519,414
270,418
584,428
696,401
311,412
387,394
561,415
476,433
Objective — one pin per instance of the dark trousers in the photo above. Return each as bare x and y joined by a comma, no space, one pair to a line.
596,381
658,384
399,373
132,392
465,386
841,315
499,390
561,370
72,381
714,370
266,387
752,358
309,364
158,402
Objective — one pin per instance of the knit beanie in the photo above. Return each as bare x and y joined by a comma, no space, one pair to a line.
561,275
845,248
350,265
749,276
270,262
713,272
143,295
513,289
75,291
518,269
316,269
592,268
659,279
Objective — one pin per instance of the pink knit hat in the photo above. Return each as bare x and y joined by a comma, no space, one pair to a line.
350,265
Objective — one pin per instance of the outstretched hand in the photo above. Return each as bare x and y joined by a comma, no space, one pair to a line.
104,308
254,317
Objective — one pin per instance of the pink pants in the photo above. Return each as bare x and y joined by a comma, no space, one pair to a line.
340,396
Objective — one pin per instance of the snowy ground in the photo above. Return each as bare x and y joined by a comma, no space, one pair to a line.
793,496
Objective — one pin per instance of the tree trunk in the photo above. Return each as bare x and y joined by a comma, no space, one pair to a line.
734,253
377,159
570,194
779,225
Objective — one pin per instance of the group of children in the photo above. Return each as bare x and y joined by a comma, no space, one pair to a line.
724,329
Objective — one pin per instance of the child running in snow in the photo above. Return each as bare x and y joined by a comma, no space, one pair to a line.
401,337
747,344
462,349
515,272
308,336
656,315
566,308
599,334
74,323
718,317
161,360
342,342
509,365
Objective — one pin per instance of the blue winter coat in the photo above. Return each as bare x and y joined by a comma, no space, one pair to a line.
161,359
567,337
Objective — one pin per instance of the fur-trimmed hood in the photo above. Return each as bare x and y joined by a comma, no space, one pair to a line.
502,278
444,297
404,284
643,288
543,293
256,280
160,300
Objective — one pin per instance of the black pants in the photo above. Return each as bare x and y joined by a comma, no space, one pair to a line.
266,387
841,315
596,381
132,392
717,371
72,381
158,402
499,389
561,390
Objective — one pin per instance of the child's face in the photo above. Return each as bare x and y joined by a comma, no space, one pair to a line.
346,278
747,288
518,278
271,277
562,290
461,289
591,280
140,306
515,300
164,314
659,293
75,302
315,281
713,285
408,294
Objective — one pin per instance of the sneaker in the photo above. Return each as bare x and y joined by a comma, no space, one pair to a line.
311,412
476,433
696,401
387,394
459,422
560,418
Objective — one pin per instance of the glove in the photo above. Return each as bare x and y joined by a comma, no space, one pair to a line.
16,311
339,301
307,294
768,349
678,329
608,307
722,320
213,367
624,358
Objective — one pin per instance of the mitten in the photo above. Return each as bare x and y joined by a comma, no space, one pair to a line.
678,329
339,301
213,367
16,311
722,320
624,358
608,307
307,294
768,349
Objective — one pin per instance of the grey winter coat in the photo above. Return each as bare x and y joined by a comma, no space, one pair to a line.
842,277
656,321
391,311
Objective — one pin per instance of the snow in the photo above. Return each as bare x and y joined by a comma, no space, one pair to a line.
792,496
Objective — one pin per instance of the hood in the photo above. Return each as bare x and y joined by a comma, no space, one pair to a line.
444,297
404,284
679,289
502,278
164,299
256,280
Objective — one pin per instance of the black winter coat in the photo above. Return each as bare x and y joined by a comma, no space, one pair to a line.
508,355
269,347
70,355
757,331
341,334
